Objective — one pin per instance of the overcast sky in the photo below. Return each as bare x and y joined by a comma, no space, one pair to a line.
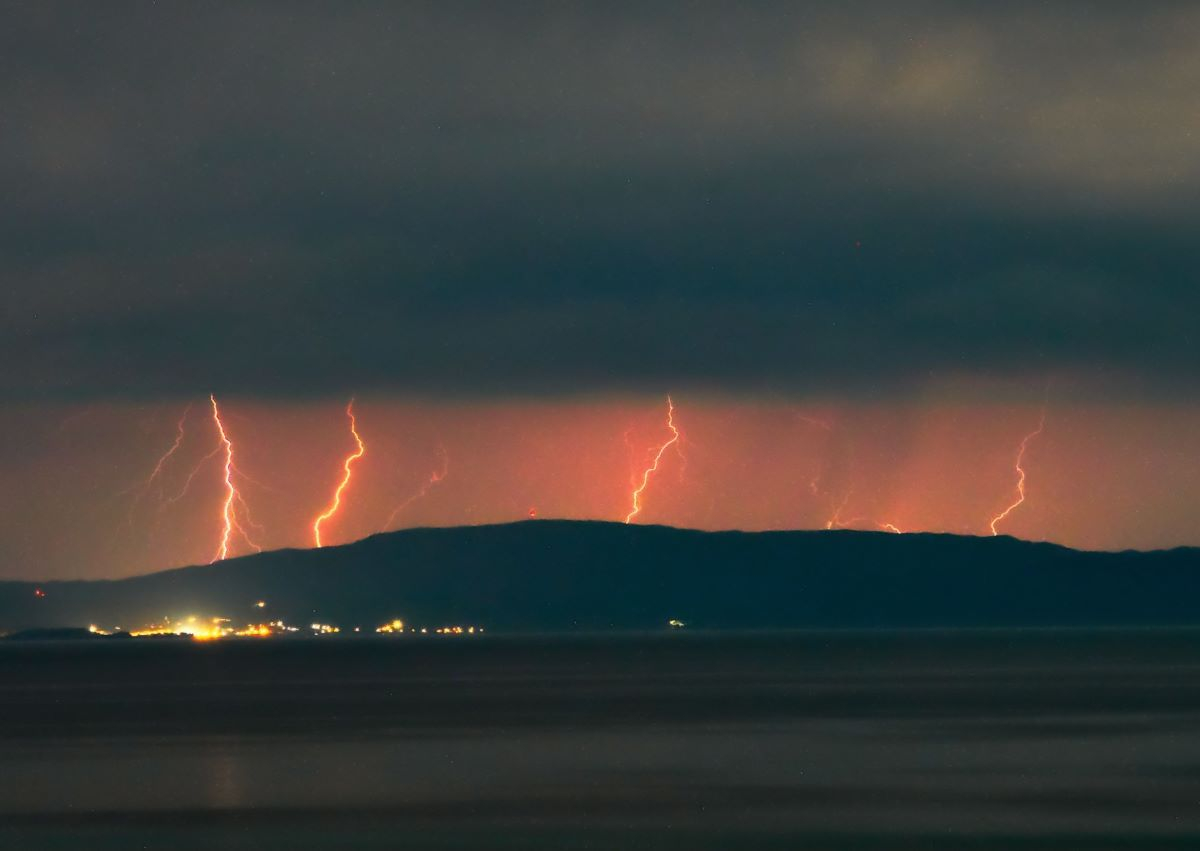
285,199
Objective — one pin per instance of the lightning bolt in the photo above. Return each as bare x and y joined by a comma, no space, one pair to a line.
161,463
649,471
434,478
187,484
166,456
335,504
1020,469
232,498
836,521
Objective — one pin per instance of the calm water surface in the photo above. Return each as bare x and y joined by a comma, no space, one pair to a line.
930,740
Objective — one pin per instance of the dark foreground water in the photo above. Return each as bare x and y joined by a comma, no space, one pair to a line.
936,740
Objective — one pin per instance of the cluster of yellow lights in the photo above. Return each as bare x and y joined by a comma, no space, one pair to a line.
255,630
397,626
197,628
210,629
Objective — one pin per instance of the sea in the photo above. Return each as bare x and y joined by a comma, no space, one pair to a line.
966,739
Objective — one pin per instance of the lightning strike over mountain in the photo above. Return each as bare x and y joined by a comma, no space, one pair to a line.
836,521
649,471
232,498
335,504
1020,469
890,527
434,478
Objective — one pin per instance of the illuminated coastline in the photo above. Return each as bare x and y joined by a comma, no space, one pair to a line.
213,628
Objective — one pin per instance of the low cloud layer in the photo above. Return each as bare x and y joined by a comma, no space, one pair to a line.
294,200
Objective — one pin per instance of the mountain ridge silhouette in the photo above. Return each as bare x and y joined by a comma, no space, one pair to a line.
552,575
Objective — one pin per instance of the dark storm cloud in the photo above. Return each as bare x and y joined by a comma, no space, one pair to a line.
293,198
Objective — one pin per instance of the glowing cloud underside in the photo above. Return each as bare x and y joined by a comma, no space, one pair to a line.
1020,469
347,466
649,471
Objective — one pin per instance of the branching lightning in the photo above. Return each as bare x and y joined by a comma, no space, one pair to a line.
650,470
258,527
1020,470
161,464
836,521
435,478
166,456
232,498
187,484
335,504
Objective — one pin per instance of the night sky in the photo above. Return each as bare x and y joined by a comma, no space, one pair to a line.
864,248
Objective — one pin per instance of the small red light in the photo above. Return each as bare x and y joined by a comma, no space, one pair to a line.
533,513
38,592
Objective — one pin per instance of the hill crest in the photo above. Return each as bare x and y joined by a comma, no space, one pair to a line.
565,574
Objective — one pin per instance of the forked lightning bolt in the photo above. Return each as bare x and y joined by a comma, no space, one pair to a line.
836,521
347,465
1020,469
187,484
649,471
166,456
162,461
232,498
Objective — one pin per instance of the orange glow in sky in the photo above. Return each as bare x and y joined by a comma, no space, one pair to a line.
1105,477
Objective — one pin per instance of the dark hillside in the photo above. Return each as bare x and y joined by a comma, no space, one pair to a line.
567,575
